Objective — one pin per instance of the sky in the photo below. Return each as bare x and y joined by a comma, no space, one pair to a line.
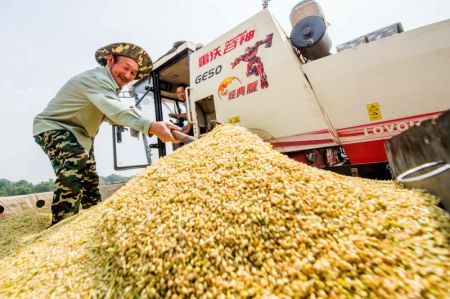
47,42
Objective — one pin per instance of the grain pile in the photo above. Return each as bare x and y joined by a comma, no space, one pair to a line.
227,216
22,229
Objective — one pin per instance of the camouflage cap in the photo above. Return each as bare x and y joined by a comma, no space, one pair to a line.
129,50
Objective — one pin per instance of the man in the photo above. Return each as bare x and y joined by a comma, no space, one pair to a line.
179,115
66,128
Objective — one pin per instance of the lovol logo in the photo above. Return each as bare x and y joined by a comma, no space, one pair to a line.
389,128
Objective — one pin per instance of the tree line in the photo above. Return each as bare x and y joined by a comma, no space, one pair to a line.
21,187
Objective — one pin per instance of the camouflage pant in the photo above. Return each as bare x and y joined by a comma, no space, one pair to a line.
76,176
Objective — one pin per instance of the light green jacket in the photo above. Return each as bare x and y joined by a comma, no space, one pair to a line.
83,103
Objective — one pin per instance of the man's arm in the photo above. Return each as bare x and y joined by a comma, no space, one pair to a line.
104,98
178,115
186,129
162,130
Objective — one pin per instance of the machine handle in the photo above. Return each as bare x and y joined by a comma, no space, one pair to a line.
402,177
188,104
182,137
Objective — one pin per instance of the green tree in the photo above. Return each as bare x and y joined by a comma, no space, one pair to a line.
4,183
44,186
19,188
113,178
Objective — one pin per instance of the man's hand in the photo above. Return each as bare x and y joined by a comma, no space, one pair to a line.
162,130
178,115
186,129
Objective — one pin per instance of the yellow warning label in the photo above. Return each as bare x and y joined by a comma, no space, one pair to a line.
374,111
234,120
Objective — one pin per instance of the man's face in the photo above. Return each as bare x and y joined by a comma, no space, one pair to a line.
181,94
123,70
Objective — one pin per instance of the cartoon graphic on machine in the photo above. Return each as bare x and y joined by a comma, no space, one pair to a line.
254,63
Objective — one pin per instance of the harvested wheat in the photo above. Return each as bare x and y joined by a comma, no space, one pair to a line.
227,216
